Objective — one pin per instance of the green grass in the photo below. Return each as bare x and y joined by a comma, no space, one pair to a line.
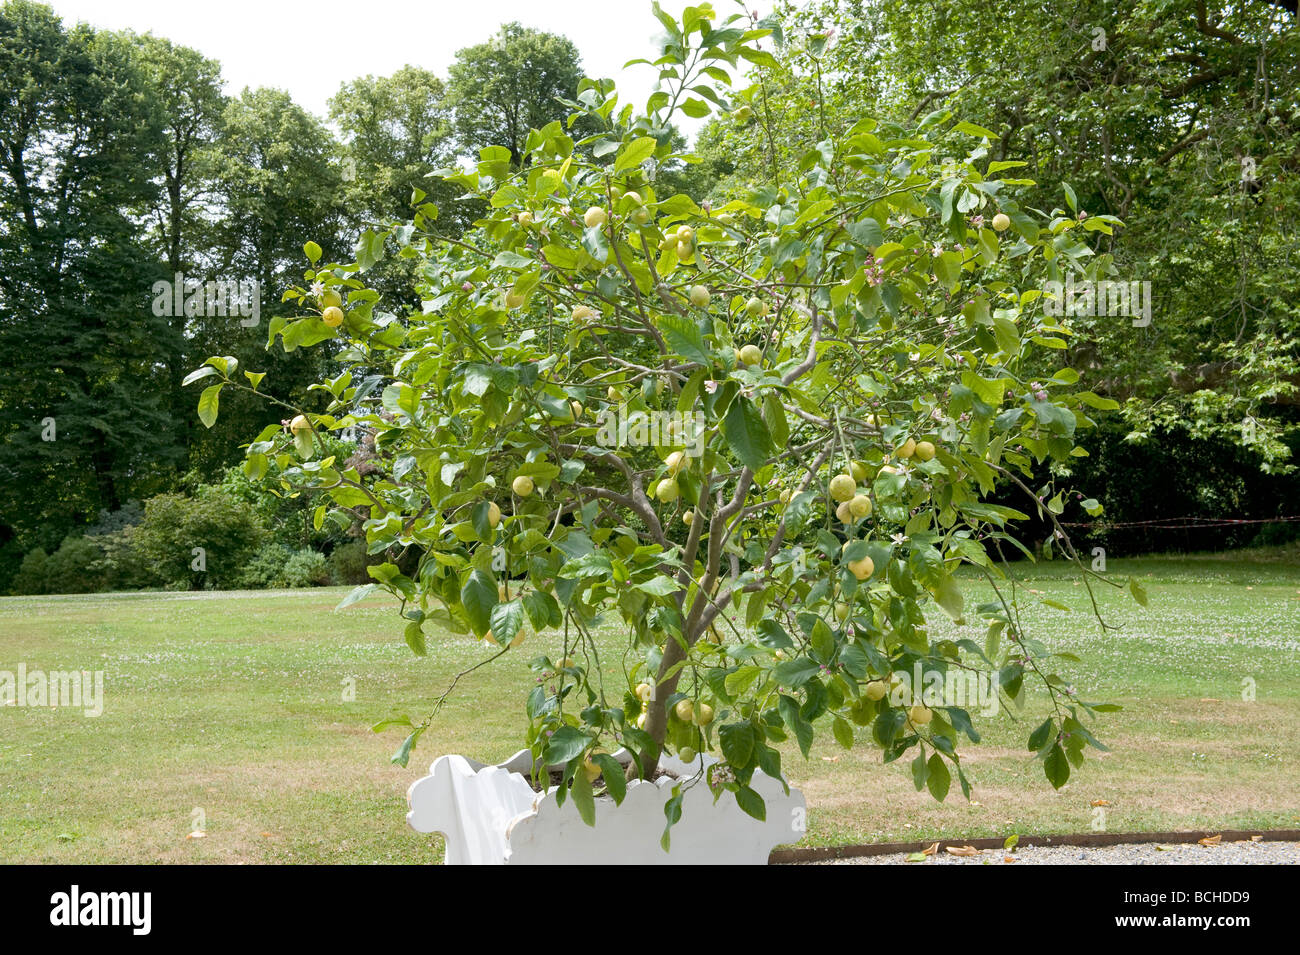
232,704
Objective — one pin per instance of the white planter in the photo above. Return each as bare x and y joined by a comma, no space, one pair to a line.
490,815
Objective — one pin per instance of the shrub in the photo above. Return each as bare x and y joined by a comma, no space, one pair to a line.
306,568
201,542
265,569
33,575
348,562
76,567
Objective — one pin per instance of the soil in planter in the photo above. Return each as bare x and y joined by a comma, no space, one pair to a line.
556,776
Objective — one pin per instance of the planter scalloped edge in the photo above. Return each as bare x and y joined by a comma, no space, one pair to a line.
490,815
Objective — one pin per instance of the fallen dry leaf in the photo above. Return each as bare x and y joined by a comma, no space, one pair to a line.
930,849
1211,840
1008,858
267,835
961,850
1100,802
197,835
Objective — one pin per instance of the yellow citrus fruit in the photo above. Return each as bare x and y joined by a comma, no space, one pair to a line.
843,513
751,355
675,462
522,485
858,471
330,299
494,514
704,715
300,425
595,216
877,690
700,296
843,488
1002,222
860,506
920,715
332,316
582,313
924,451
685,710
908,448
862,569
667,490
643,692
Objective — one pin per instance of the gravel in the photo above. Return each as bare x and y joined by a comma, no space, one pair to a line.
1228,853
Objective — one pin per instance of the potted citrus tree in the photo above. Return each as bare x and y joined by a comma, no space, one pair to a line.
757,439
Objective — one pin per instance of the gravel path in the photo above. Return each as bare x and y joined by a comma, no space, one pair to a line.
1228,853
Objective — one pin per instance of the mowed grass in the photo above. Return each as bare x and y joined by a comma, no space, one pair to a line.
232,705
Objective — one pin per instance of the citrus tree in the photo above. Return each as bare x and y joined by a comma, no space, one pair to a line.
754,437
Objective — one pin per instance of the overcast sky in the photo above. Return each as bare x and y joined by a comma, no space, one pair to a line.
310,48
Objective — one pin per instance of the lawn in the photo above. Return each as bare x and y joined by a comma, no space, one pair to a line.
232,705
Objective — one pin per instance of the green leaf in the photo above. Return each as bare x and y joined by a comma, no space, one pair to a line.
843,732
1039,737
746,434
357,594
611,771
948,596
566,743
635,153
478,597
737,741
1057,767
583,798
684,337
1138,591
415,638
208,405
939,778
198,374
312,251
751,802
403,754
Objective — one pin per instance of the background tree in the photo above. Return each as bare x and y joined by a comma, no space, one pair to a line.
501,89
80,141
277,178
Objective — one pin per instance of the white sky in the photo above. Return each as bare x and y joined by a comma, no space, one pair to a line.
310,48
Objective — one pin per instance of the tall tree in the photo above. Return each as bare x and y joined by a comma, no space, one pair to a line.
277,179
81,414
505,87
187,89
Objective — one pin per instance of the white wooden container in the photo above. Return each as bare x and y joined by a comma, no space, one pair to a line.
490,815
